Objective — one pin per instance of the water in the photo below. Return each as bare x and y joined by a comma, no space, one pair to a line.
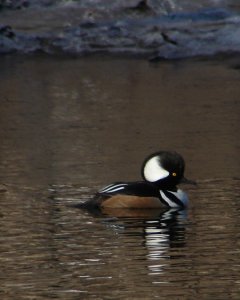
69,126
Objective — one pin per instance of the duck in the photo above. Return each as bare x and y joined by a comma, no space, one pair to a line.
161,172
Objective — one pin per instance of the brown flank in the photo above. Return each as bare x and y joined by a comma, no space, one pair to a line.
125,201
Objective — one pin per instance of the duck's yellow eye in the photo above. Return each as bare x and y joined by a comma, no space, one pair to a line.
174,174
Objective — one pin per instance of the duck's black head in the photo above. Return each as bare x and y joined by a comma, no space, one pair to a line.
164,169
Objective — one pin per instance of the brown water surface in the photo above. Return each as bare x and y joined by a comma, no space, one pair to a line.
69,126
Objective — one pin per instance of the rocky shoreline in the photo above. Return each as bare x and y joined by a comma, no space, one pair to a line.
140,32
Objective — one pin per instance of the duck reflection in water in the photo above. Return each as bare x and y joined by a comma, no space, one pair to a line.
159,232
161,238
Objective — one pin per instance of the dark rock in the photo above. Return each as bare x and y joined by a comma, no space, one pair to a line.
173,36
11,41
141,6
13,4
7,31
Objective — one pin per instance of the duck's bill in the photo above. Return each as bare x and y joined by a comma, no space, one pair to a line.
188,181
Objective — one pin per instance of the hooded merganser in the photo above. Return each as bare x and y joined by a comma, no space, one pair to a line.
161,171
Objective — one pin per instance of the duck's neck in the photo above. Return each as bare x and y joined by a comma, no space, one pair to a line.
166,186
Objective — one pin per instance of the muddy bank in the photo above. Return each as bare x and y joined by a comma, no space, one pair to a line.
136,28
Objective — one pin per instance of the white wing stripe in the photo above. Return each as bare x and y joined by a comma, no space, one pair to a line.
112,188
115,190
106,188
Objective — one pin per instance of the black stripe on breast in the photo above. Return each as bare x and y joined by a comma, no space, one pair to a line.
172,198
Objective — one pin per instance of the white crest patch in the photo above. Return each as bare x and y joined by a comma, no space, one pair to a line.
153,170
